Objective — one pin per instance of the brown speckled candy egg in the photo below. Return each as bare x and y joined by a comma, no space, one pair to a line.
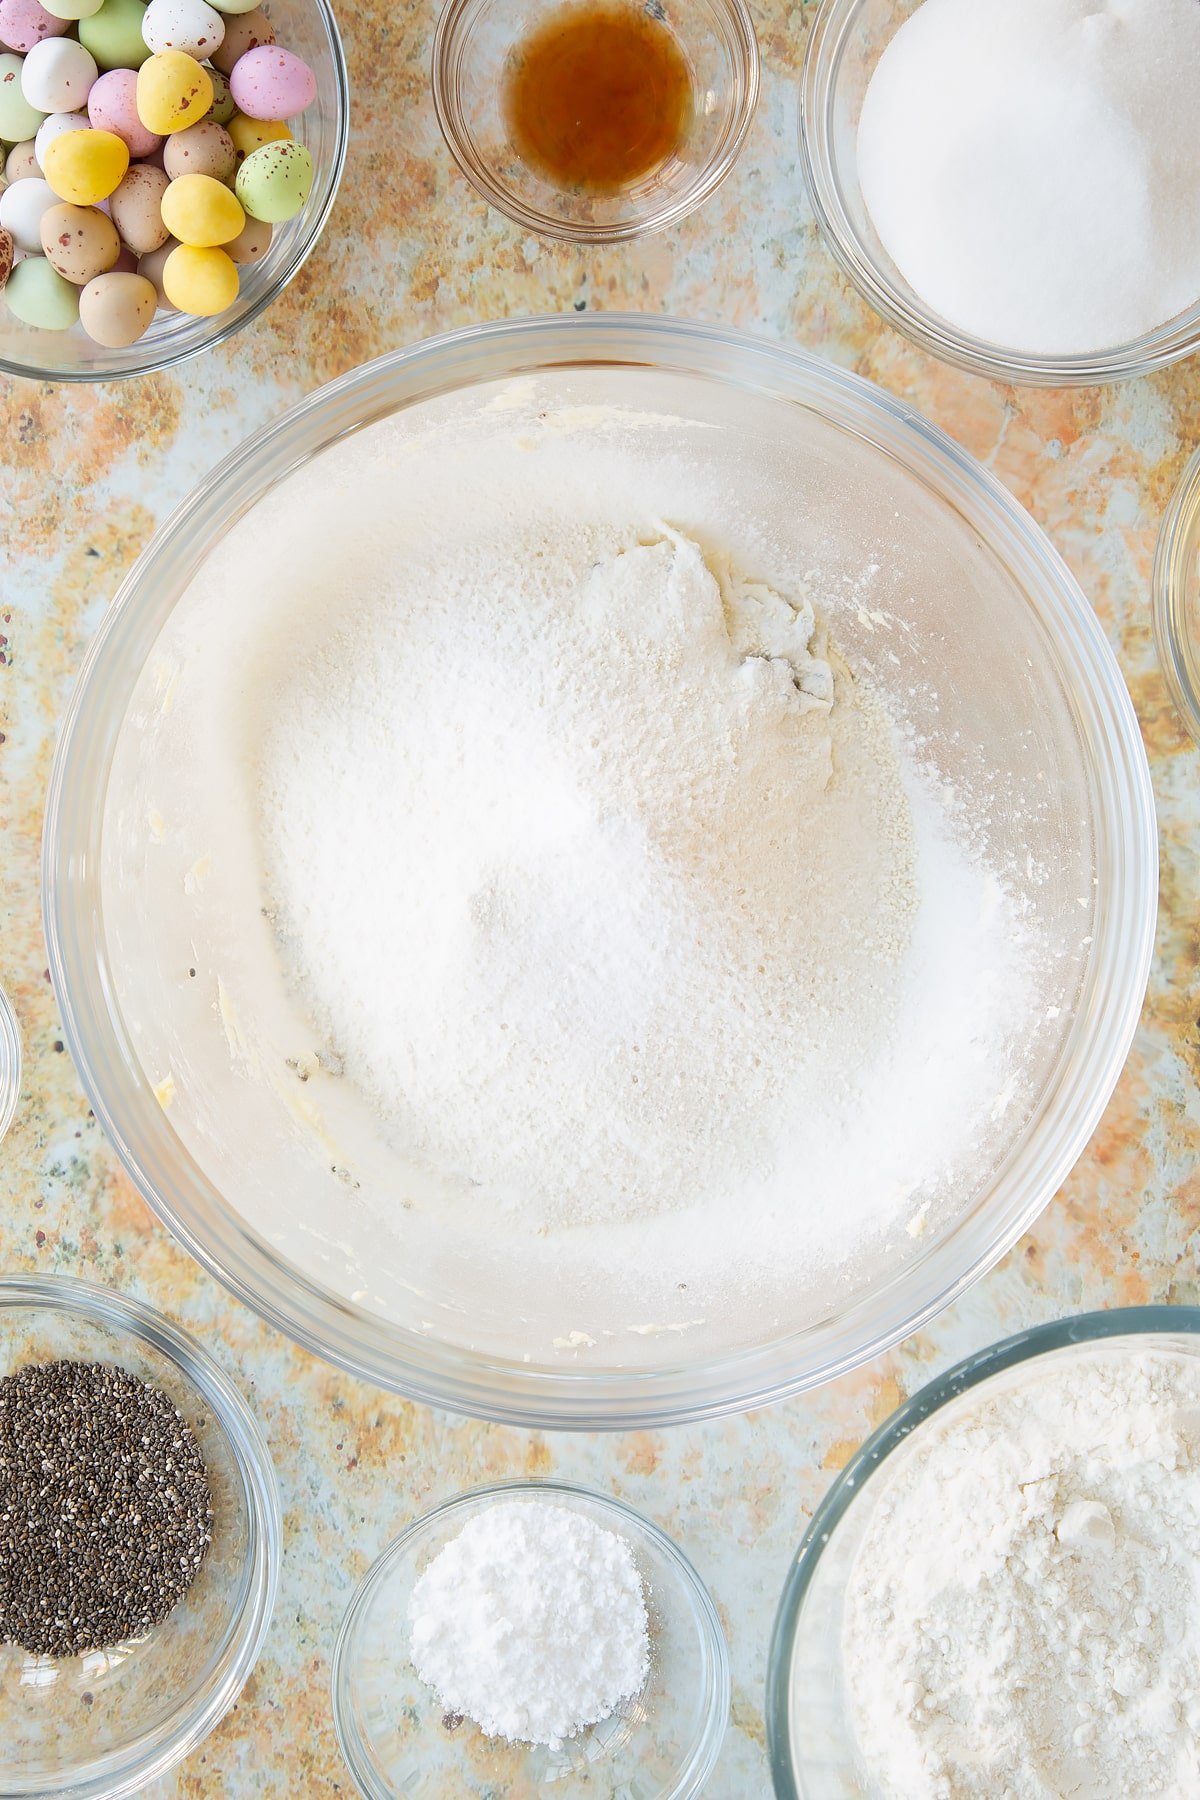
203,149
22,162
136,207
151,267
8,251
115,310
251,243
79,242
243,31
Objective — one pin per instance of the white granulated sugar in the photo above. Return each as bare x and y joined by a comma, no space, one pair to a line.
1023,1615
531,1622
1033,168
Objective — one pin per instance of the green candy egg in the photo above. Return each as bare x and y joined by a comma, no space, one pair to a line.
39,296
274,181
114,35
18,120
223,103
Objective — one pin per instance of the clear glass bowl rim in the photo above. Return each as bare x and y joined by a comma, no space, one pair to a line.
448,36
151,362
127,1771
837,21
704,1754
1176,556
10,1063
1006,1353
504,1389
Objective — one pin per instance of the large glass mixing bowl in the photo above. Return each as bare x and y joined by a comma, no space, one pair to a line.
990,621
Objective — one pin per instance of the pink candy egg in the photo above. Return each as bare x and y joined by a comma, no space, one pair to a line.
23,23
272,83
112,106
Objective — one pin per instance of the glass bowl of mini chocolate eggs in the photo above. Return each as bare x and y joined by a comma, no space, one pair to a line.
71,97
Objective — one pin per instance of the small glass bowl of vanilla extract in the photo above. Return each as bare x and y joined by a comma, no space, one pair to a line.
595,120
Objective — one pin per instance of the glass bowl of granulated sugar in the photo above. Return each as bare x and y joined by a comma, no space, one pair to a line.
1012,187
111,1669
531,1638
598,871
1004,1583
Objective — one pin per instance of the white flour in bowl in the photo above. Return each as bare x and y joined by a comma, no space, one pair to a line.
1023,1615
624,902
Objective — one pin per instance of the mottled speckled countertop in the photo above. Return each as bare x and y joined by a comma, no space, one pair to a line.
87,476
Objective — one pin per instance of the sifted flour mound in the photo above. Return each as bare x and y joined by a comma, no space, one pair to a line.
562,862
1023,1616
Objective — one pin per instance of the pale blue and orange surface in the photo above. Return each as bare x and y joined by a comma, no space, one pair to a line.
87,476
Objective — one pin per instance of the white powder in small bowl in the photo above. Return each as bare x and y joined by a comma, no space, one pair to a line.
531,1622
1033,166
1023,1615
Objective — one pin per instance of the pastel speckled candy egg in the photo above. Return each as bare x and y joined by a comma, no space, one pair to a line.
251,134
251,243
188,25
223,106
18,119
112,106
58,75
200,281
54,125
136,208
74,9
39,296
114,35
24,23
201,212
273,183
116,310
173,92
152,266
203,149
79,242
272,83
21,207
85,166
8,252
22,162
247,31
230,7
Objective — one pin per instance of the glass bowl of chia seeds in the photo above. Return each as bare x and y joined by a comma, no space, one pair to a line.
173,1577
400,1741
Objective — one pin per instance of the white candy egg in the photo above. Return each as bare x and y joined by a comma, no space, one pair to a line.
21,209
188,25
57,74
56,125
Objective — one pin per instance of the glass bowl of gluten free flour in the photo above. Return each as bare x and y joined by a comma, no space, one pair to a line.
236,1117
662,1744
110,1722
845,43
814,1745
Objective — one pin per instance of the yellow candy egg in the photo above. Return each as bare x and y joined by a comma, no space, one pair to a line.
201,211
250,135
173,92
199,280
84,167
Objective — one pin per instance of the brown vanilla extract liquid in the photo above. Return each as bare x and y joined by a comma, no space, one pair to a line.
599,96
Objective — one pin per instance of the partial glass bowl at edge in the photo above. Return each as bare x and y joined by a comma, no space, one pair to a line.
309,28
662,1746
845,42
473,41
1175,589
107,1724
783,400
809,1737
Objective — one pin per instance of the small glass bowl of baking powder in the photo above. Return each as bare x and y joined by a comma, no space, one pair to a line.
845,42
1175,589
110,1722
810,1737
662,1745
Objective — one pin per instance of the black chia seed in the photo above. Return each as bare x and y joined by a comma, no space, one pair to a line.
105,1507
